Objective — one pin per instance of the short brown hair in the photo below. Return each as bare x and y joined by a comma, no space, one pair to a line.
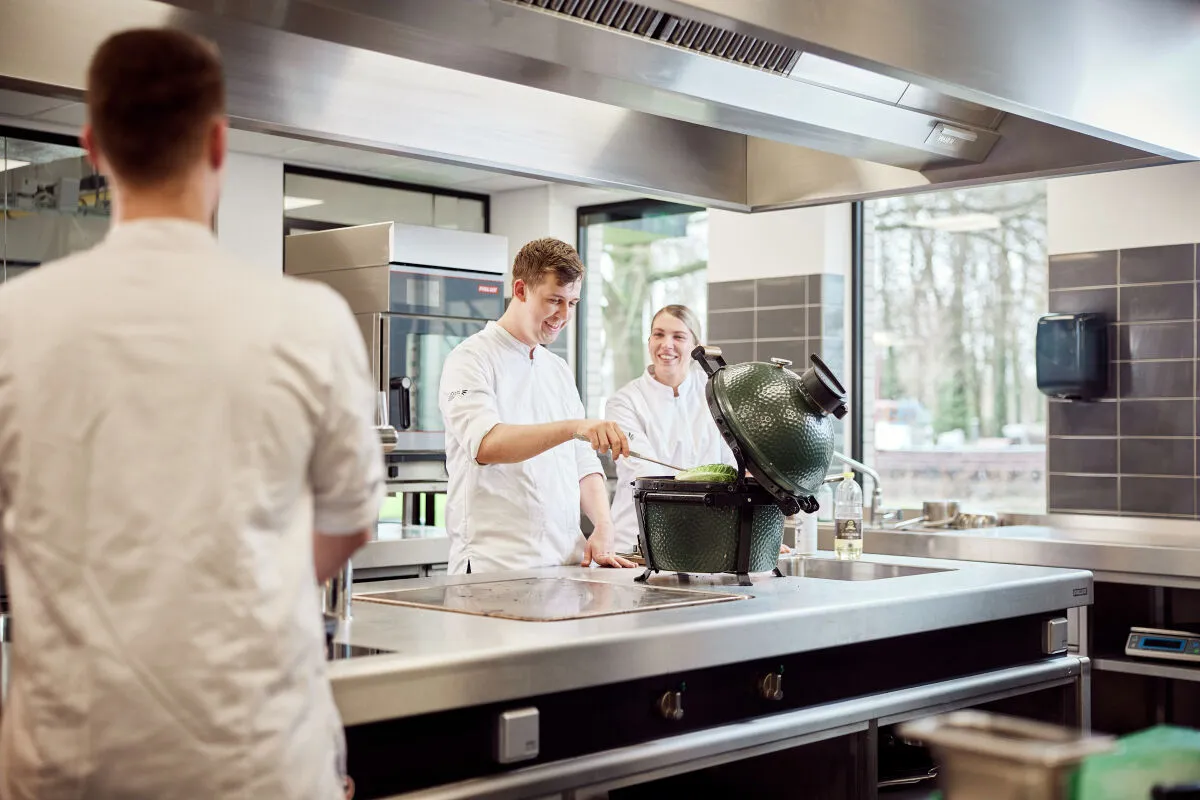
150,93
543,257
684,315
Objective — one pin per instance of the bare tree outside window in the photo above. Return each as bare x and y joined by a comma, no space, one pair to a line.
955,283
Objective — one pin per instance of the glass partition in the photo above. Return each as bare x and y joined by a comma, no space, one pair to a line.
54,203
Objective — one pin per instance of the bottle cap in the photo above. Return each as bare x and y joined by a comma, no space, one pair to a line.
849,476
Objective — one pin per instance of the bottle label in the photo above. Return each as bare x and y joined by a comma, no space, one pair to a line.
848,529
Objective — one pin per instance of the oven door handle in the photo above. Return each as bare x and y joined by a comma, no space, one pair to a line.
403,385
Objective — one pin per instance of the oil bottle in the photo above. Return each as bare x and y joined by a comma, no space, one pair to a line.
848,518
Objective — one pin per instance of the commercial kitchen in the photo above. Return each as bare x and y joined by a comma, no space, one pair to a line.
963,234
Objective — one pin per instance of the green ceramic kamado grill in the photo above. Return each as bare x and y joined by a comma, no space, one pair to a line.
779,426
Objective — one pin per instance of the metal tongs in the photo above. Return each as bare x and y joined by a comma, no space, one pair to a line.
580,437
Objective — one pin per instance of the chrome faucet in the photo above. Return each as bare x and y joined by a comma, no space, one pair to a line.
874,517
337,593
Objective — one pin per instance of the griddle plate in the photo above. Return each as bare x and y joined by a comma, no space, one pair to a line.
546,599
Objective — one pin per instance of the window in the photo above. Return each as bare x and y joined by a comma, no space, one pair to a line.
954,282
54,203
641,256
319,200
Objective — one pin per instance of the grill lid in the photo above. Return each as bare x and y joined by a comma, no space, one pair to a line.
777,423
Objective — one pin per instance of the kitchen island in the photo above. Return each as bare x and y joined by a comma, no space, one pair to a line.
797,672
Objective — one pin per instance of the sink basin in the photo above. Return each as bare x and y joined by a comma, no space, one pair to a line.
832,570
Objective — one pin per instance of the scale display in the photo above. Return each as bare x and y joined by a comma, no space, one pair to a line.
1171,645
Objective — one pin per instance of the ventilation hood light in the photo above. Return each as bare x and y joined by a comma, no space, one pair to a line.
9,163
293,203
960,223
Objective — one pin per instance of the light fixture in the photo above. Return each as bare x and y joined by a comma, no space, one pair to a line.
960,223
11,163
293,203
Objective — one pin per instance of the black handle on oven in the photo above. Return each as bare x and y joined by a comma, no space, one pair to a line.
403,385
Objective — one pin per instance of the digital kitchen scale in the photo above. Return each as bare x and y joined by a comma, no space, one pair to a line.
1155,643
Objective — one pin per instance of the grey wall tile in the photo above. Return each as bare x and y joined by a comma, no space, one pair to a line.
736,352
1158,496
731,294
1083,269
816,315
1073,301
1157,264
783,323
832,290
1110,391
1157,379
833,319
1082,419
790,291
795,350
816,288
1158,418
1156,340
1070,492
1098,456
1150,303
1158,457
730,325
1158,344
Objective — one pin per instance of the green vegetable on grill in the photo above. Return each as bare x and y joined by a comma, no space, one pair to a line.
713,473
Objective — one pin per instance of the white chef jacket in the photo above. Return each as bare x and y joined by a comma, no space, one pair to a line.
678,430
510,516
173,426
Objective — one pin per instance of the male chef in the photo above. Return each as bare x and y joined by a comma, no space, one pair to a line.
518,476
186,448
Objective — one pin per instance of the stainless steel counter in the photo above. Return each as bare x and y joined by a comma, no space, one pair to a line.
444,660
1120,550
397,545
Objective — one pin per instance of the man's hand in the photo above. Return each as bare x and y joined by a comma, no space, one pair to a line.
600,549
605,436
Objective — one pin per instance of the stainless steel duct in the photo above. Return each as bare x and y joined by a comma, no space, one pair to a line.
714,102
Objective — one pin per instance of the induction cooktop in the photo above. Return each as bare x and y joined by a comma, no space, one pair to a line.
546,599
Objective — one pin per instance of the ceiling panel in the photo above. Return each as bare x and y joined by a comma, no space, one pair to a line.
19,104
68,114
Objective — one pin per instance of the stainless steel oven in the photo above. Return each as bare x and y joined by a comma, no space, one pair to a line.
417,293
432,312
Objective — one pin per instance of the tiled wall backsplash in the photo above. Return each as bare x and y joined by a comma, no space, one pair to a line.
1134,452
792,317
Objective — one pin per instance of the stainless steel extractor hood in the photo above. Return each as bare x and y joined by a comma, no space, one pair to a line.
734,104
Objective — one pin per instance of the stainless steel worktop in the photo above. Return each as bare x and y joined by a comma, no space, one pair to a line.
442,660
1126,550
398,545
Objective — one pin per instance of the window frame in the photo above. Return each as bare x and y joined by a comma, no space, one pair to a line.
604,213
856,436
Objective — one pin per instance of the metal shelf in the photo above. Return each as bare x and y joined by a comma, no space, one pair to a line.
1150,669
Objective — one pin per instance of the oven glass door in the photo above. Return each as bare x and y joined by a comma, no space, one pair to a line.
417,348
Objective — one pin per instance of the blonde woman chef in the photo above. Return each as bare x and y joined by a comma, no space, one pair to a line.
665,415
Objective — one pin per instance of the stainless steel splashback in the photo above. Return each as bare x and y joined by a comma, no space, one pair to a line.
733,104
